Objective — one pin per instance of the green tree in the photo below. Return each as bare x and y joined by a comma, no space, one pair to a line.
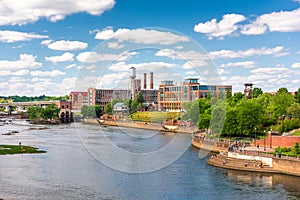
98,111
249,115
139,98
50,112
33,112
231,122
204,121
228,94
281,101
297,96
218,112
294,110
108,108
236,98
256,92
134,105
296,148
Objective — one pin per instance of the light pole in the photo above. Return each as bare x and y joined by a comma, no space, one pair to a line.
271,139
255,137
283,117
264,140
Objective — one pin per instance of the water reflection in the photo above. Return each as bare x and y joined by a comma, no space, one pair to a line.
68,171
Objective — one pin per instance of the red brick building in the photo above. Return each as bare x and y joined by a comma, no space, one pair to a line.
78,99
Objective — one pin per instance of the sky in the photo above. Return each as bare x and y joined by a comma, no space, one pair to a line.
55,47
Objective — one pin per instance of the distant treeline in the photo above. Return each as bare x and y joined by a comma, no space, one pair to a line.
35,98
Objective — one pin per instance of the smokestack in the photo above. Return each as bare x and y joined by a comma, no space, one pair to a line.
151,80
145,81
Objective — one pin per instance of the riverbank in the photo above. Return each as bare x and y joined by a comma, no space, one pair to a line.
138,125
244,162
18,149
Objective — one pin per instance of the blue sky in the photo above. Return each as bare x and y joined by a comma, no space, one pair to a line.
54,47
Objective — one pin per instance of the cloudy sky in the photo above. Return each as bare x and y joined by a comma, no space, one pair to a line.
54,47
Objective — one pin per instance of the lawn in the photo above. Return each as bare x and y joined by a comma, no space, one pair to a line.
16,149
154,116
296,133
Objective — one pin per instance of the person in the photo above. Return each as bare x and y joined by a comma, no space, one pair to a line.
258,146
246,164
224,162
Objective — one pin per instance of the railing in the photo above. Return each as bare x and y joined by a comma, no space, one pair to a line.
265,154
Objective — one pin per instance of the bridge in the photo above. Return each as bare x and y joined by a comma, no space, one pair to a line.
21,106
65,107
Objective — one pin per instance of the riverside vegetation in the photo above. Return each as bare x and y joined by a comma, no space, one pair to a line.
18,149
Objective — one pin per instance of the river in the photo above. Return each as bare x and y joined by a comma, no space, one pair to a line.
79,164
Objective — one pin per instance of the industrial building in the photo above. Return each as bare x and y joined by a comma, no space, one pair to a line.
78,99
104,96
171,95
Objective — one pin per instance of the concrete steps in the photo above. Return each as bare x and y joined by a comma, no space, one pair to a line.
238,164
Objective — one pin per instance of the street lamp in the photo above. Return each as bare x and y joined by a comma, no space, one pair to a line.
271,139
283,117
264,140
255,137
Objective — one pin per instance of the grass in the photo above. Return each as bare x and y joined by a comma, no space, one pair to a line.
16,149
296,133
154,116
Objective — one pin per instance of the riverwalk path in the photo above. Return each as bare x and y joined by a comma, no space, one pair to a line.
247,159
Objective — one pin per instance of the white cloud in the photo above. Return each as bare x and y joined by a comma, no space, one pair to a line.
115,45
283,21
46,42
142,36
67,56
270,70
15,36
254,29
70,66
244,64
276,52
190,72
25,61
194,64
295,65
21,72
47,73
66,45
92,57
182,55
14,12
226,26
122,66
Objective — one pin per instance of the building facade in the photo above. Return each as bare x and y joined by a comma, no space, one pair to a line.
102,97
65,114
78,99
171,96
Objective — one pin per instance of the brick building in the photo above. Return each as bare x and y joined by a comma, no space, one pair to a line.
78,99
171,95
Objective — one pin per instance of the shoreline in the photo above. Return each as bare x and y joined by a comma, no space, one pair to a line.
237,162
139,125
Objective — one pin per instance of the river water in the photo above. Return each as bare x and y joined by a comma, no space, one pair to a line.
74,167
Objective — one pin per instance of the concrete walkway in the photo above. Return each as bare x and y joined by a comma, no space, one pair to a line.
223,161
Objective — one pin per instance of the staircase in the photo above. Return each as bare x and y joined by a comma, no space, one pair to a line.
239,164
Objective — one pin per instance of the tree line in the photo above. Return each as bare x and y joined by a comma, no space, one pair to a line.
35,113
239,116
16,98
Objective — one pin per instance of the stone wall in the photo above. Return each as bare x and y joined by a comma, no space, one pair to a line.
282,141
287,166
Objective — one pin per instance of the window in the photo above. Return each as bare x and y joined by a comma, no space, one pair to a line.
62,106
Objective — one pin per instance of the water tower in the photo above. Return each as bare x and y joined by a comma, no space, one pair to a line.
132,76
